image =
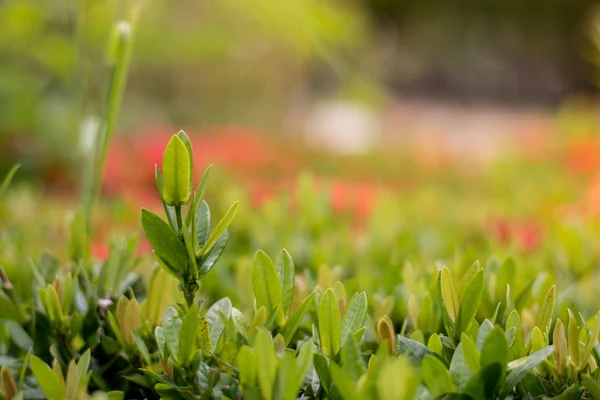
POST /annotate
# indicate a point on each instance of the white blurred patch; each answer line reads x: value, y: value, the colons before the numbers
x: 87, y: 133
x: 343, y: 127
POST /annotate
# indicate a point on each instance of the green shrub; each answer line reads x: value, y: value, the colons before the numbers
x: 88, y: 328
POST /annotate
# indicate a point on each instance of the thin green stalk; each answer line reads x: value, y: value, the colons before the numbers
x: 120, y: 56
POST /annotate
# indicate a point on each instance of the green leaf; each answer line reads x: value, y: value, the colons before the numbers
x: 305, y: 361
x: 545, y: 315
x: 268, y: 363
x: 343, y: 383
x: 8, y: 179
x: 213, y: 256
x: 286, y: 272
x: 266, y: 283
x: 495, y: 350
x: 469, y: 302
x: 51, y: 385
x: 169, y: 210
x: 8, y: 310
x: 592, y: 386
x: 187, y: 337
x: 202, y: 223
x: 294, y: 322
x: 352, y: 361
x: 330, y: 326
x: 591, y: 343
x: 188, y: 146
x: 470, y: 352
x: 460, y: 371
x: 177, y: 173
x: 191, y: 254
x: 165, y: 241
x: 247, y: 364
x: 483, y: 383
x: 220, y: 228
x: 485, y: 328
x: 114, y: 326
x: 571, y: 393
x: 198, y: 197
x: 216, y: 326
x: 517, y: 369
x: 354, y: 317
x: 416, y: 351
x: 143, y: 349
x: 172, y: 329
x: 322, y: 368
x: 435, y: 376
x: 84, y: 364
x: 168, y: 392
x: 447, y: 300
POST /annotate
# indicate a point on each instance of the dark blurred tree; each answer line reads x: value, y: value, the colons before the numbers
x: 511, y: 50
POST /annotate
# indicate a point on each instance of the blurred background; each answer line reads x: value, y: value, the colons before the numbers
x: 368, y: 93
x: 365, y: 134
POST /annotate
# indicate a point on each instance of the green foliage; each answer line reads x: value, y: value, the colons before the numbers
x: 83, y: 328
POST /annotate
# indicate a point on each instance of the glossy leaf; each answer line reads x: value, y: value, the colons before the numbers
x: 330, y: 327
x: 176, y: 172
x: 435, y: 376
x: 469, y: 302
x: 165, y: 241
x: 286, y: 272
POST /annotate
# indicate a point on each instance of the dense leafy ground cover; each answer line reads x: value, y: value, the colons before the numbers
x: 467, y: 285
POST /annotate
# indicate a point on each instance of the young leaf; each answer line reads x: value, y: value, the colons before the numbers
x: 266, y: 284
x: 560, y: 347
x: 517, y: 369
x: 169, y: 210
x: 447, y: 299
x: 213, y: 255
x: 385, y: 332
x: 322, y: 368
x: 202, y: 223
x: 469, y: 302
x: 216, y: 326
x: 592, y: 386
x: 172, y: 329
x: 352, y: 361
x: 286, y: 272
x: 460, y: 371
x: 176, y: 170
x: 495, y: 350
x: 545, y: 315
x: 354, y: 317
x: 143, y: 349
x: 8, y: 387
x: 198, y: 197
x: 191, y: 254
x: 343, y: 383
x: 53, y: 387
x: 483, y: 384
x: 220, y: 228
x: 415, y: 350
x: 293, y: 323
x: 470, y: 352
x: 573, y: 338
x: 329, y: 324
x: 247, y: 364
x: 188, y: 146
x: 268, y: 363
x: 164, y: 241
x: 188, y: 334
x: 435, y: 376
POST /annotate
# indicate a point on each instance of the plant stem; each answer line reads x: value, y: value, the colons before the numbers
x: 120, y: 59
x: 179, y: 219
